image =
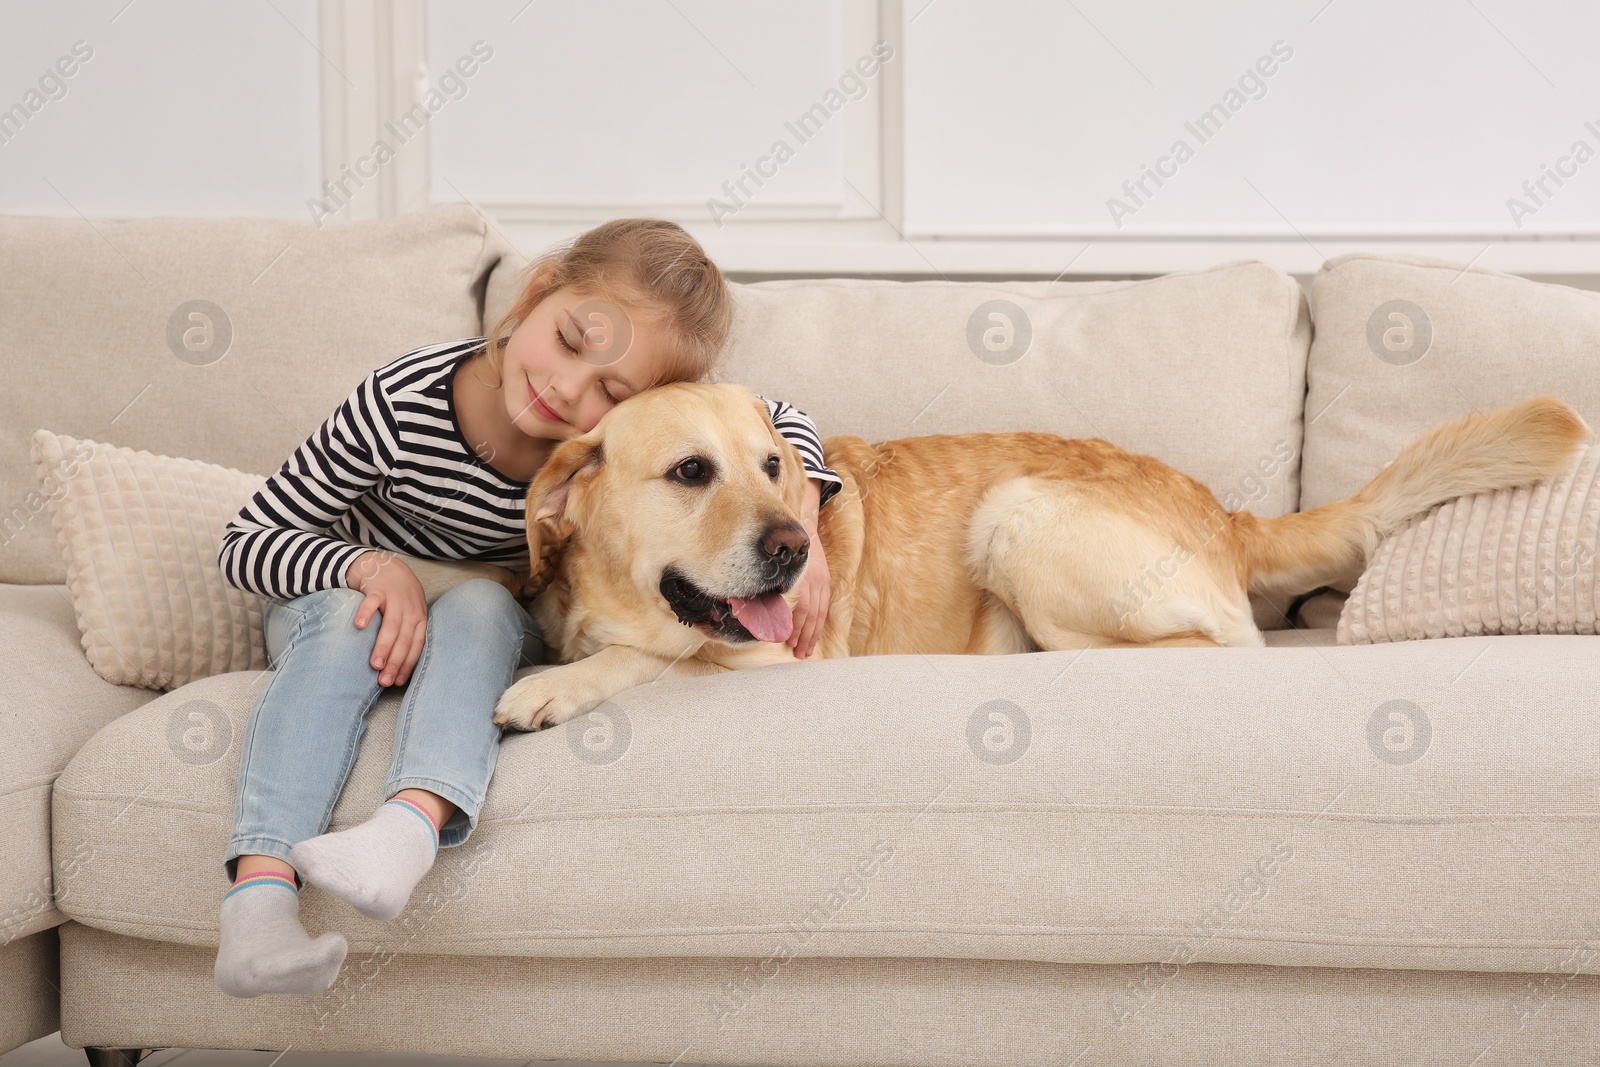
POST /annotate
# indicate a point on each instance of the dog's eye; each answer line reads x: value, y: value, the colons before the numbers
x: 692, y: 470
x: 774, y: 466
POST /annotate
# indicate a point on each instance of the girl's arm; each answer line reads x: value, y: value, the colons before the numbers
x: 798, y: 429
x: 813, y: 504
x: 277, y: 545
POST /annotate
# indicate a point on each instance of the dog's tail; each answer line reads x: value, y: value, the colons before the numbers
x: 1510, y: 447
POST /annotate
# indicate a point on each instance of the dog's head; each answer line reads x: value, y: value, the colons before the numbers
x: 686, y: 501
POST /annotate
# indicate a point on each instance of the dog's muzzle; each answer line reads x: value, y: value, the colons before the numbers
x: 760, y: 614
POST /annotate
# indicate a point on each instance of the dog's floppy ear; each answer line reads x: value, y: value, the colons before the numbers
x: 557, y: 502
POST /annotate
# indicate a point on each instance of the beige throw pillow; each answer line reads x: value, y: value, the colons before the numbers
x: 139, y: 534
x: 1516, y: 561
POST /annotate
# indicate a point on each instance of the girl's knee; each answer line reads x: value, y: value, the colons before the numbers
x: 325, y: 615
x: 335, y: 598
x: 479, y: 603
x: 336, y: 607
x: 485, y: 594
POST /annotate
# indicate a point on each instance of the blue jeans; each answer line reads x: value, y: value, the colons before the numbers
x: 305, y: 728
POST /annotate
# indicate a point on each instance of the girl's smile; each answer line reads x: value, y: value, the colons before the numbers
x: 579, y: 356
x: 569, y: 378
x: 540, y: 406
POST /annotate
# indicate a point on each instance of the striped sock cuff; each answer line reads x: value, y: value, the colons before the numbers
x: 420, y: 812
x: 263, y: 878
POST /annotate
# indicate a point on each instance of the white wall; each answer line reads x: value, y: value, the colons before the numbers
x: 948, y: 138
x: 626, y: 103
x: 171, y: 107
x: 1351, y: 119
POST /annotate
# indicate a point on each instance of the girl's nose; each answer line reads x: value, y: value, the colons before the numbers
x: 568, y: 388
x: 573, y: 383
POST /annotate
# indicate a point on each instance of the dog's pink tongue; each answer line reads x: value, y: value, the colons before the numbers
x: 767, y: 617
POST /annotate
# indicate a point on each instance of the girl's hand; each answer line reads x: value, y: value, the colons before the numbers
x: 392, y: 588
x: 811, y: 609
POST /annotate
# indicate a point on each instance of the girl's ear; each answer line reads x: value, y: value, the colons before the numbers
x: 540, y: 275
x: 557, y: 505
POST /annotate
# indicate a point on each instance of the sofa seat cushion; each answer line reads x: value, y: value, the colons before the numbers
x: 1418, y: 805
x: 51, y: 702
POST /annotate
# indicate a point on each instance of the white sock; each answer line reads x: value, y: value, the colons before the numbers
x: 375, y: 866
x: 264, y: 949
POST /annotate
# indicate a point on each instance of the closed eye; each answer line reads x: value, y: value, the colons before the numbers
x: 563, y: 339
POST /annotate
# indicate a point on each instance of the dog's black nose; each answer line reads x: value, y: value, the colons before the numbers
x: 785, y: 544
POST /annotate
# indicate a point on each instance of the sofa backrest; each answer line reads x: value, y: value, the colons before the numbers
x: 1404, y: 343
x: 223, y: 340
x: 1204, y: 370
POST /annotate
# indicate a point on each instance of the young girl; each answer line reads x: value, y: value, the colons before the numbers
x: 432, y: 456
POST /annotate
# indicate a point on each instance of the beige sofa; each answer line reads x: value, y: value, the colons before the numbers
x: 1108, y: 857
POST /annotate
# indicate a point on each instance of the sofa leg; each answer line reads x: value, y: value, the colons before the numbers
x: 115, y: 1057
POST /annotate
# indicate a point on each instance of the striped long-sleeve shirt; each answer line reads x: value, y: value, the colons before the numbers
x: 391, y: 469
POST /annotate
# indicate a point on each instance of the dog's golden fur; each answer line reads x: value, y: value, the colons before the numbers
x: 979, y: 543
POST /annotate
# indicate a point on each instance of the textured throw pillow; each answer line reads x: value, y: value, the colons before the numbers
x: 139, y: 534
x: 1516, y: 561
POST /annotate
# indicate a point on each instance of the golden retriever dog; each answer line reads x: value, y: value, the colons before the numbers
x: 667, y: 540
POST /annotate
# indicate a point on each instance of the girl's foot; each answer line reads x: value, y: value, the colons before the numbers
x: 375, y: 866
x: 264, y: 949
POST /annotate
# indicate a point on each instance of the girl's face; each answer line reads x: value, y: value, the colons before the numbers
x: 573, y: 359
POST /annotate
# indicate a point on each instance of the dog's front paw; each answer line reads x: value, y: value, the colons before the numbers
x: 544, y: 699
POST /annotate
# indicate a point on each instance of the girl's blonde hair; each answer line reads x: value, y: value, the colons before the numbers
x: 654, y: 270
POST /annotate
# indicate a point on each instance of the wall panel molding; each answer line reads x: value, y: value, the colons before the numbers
x: 374, y: 129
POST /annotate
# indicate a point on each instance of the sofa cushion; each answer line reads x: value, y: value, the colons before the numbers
x: 1404, y: 343
x: 1204, y: 369
x: 1418, y: 805
x: 140, y: 535
x: 1516, y: 561
x: 51, y: 702
x: 224, y: 340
